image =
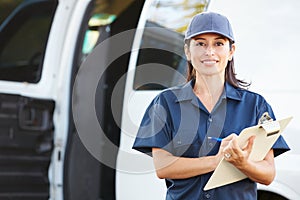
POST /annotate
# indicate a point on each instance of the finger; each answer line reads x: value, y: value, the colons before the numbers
x: 230, y: 137
x: 235, y: 146
x: 226, y: 141
x: 227, y: 156
x: 250, y: 144
x: 226, y: 149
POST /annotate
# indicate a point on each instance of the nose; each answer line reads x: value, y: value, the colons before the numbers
x: 210, y: 51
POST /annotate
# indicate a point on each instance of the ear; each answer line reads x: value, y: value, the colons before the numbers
x: 187, y: 52
x: 231, y: 52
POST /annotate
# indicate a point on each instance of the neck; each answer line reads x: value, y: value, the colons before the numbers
x: 213, y: 85
x: 209, y: 90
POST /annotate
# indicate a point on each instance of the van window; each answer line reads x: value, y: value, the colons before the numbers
x: 163, y: 47
x: 24, y: 32
x: 103, y: 16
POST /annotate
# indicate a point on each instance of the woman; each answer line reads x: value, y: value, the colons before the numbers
x: 178, y: 124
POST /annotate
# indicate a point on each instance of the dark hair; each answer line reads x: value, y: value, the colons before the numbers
x: 230, y: 75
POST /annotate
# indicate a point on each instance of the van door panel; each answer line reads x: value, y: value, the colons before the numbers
x: 26, y: 142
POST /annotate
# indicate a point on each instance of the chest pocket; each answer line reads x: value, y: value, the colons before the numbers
x: 186, y: 143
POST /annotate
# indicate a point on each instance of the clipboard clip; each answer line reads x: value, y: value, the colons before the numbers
x: 268, y: 124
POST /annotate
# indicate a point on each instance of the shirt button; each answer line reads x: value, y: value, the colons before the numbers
x: 179, y: 142
x: 210, y: 144
x: 207, y: 196
x: 210, y: 119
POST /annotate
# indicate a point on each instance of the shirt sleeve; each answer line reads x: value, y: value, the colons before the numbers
x: 154, y: 131
x: 280, y: 145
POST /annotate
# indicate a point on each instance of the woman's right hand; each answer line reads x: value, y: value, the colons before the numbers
x: 224, y: 143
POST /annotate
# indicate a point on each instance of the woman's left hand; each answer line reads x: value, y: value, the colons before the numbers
x: 259, y: 171
x: 236, y: 155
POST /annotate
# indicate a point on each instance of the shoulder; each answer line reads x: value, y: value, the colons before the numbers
x: 245, y: 97
x: 250, y: 94
x: 243, y: 94
x: 257, y: 101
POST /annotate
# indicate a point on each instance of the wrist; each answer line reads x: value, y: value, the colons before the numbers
x: 245, y: 164
x: 216, y: 160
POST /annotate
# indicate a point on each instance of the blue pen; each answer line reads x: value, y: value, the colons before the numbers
x: 215, y: 138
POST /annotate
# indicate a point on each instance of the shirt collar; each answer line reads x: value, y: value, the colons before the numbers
x: 232, y: 92
x: 186, y: 92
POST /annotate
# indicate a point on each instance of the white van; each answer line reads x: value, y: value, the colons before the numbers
x: 77, y: 76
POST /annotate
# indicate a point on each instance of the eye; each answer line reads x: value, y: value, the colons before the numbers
x: 219, y: 43
x: 200, y: 44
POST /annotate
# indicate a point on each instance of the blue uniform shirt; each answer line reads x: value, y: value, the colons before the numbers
x: 178, y: 122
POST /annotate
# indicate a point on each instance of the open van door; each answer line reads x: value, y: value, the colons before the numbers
x: 26, y: 111
x: 42, y: 46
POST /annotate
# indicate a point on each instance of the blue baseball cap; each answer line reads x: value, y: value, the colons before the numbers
x: 209, y: 22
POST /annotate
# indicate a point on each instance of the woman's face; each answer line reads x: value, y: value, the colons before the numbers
x: 209, y: 54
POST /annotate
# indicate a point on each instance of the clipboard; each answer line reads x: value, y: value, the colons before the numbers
x: 267, y: 132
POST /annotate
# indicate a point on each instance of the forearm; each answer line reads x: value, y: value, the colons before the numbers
x: 172, y: 167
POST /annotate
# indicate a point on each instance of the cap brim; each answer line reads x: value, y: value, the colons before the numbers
x: 209, y: 31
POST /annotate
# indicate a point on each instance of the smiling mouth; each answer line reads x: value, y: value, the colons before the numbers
x: 209, y: 62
